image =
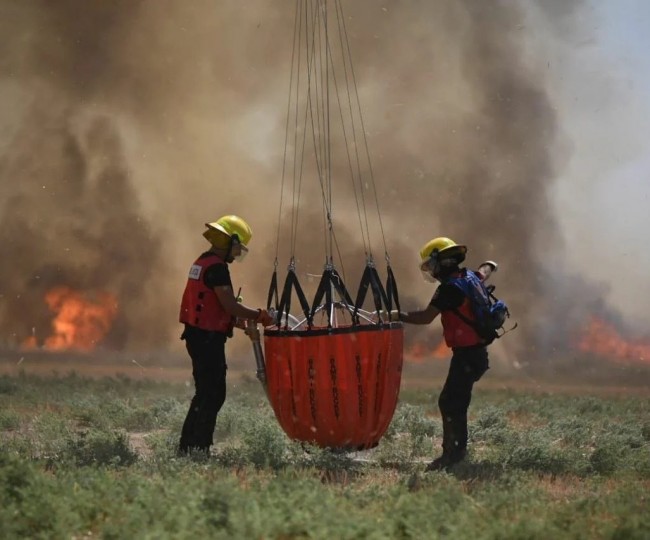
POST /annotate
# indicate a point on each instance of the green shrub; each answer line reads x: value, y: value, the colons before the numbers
x: 491, y: 417
x: 580, y: 472
x: 573, y: 430
x: 412, y: 420
x: 398, y: 452
x: 163, y: 444
x: 264, y: 444
x: 539, y: 457
x: 8, y: 386
x: 491, y: 427
x: 95, y: 447
x: 15, y: 475
x: 9, y: 419
x: 645, y: 431
x: 640, y: 462
x: 408, y: 436
x: 604, y: 459
x: 48, y: 433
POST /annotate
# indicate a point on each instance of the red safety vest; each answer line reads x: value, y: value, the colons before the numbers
x: 200, y: 306
x: 457, y: 332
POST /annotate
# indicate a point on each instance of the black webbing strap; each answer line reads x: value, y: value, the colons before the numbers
x: 332, y: 281
x: 468, y: 322
x: 391, y: 290
x: 273, y: 292
x: 324, y: 289
x: 487, y: 338
x: 370, y: 278
x: 329, y: 279
x: 285, y: 300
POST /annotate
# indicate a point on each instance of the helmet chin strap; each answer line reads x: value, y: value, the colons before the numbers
x: 228, y: 251
x: 234, y: 238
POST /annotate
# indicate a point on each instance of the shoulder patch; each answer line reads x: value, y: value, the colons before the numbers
x: 195, y: 272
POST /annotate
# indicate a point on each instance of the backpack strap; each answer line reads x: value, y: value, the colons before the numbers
x: 479, y: 332
x: 464, y: 284
x: 462, y: 317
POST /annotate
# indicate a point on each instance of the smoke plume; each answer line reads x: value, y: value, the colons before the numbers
x: 132, y: 123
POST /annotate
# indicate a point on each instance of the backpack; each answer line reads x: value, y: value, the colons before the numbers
x: 490, y: 313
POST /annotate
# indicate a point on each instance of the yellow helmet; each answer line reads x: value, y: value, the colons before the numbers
x: 222, y: 232
x: 442, y: 248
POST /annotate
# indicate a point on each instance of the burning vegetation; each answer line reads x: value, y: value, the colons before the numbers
x: 81, y: 321
x: 600, y: 338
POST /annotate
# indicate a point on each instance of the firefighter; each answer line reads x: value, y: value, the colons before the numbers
x: 440, y: 260
x: 209, y: 311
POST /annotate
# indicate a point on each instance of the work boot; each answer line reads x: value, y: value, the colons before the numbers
x: 197, y: 453
x: 453, y: 444
x: 439, y: 464
x: 445, y: 461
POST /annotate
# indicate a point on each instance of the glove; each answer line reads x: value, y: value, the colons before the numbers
x: 486, y: 269
x: 264, y: 318
x: 394, y: 315
x: 494, y: 265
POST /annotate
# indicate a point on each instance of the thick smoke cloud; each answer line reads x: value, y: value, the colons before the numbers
x: 70, y: 214
x: 72, y: 219
x: 466, y: 142
x: 97, y: 95
x: 130, y: 124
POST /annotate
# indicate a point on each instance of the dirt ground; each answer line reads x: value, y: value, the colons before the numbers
x: 575, y: 377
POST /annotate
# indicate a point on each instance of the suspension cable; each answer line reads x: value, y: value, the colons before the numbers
x: 286, y: 134
x: 364, y: 233
x: 363, y: 130
x: 322, y: 86
x: 362, y: 210
x: 294, y: 209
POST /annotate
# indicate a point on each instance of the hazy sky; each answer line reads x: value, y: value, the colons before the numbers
x: 604, y: 193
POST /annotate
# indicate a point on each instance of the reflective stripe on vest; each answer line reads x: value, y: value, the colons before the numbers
x: 200, y: 306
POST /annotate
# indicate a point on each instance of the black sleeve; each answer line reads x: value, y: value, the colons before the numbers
x: 217, y: 275
x: 447, y: 297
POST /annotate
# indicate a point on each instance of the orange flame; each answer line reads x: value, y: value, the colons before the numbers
x: 30, y: 343
x: 420, y: 352
x: 601, y: 338
x: 80, y: 323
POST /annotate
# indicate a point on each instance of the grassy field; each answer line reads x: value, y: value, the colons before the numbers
x: 94, y: 456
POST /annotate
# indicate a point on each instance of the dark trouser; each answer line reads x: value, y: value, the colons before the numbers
x: 207, y: 350
x: 467, y: 366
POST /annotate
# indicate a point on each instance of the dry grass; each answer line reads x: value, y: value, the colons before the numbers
x: 166, y: 367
